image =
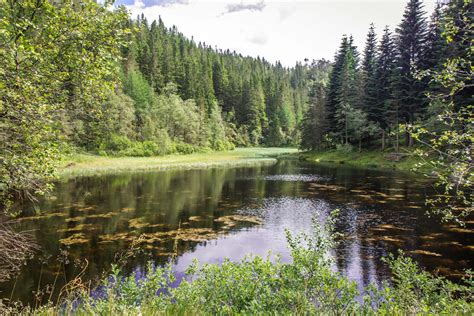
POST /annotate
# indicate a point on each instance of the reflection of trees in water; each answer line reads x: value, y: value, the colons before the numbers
x: 169, y: 197
x: 368, y: 199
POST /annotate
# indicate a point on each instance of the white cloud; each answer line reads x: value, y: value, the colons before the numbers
x: 288, y: 31
x: 241, y: 6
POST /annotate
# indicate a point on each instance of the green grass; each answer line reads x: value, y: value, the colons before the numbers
x: 375, y: 159
x: 86, y: 164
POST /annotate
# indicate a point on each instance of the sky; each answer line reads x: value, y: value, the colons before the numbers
x: 288, y: 31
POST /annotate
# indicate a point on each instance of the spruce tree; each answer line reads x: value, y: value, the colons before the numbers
x: 315, y: 125
x: 335, y: 83
x: 347, y: 95
x: 385, y: 109
x: 411, y: 46
x: 435, y: 48
x: 369, y: 97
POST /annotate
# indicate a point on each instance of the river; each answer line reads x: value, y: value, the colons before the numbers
x: 212, y: 214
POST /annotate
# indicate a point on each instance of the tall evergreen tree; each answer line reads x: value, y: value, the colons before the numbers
x: 385, y: 110
x: 347, y: 96
x: 254, y: 109
x: 315, y: 124
x: 411, y: 46
x: 435, y: 43
x: 369, y: 63
x: 335, y: 83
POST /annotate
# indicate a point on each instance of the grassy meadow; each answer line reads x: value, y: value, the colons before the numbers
x: 406, y: 162
x: 86, y: 164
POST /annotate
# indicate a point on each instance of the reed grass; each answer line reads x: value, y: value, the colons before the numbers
x: 374, y: 159
x: 87, y: 164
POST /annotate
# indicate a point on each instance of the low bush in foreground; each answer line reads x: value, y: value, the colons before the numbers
x: 259, y: 285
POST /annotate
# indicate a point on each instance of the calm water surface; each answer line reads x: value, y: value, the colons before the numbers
x: 102, y: 217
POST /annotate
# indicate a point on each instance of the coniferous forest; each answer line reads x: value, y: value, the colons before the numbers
x: 371, y: 91
x: 133, y: 87
x: 84, y: 78
x: 175, y: 95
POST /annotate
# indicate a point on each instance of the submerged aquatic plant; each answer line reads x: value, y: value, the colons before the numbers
x: 256, y: 285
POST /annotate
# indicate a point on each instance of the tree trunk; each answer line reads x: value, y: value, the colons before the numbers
x: 397, y: 141
x: 346, y: 131
x: 409, y: 138
x: 360, y: 144
x: 383, y: 139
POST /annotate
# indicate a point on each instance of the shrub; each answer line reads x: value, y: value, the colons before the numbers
x: 259, y: 285
x: 184, y: 148
x: 102, y: 153
x: 346, y: 148
x: 117, y: 143
x: 164, y: 143
x: 141, y: 149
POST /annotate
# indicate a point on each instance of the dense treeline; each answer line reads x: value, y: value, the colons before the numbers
x: 181, y: 96
x: 368, y: 96
x: 416, y: 83
x: 78, y: 76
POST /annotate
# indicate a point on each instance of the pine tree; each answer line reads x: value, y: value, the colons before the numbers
x: 334, y: 83
x: 385, y: 110
x: 369, y: 64
x: 435, y: 48
x: 315, y: 125
x: 220, y: 80
x: 411, y: 46
x: 254, y: 110
x: 347, y: 96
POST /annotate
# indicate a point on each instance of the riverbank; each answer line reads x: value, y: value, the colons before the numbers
x: 86, y: 164
x: 405, y: 160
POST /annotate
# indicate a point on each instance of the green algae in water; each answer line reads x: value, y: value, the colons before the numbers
x: 138, y: 223
x: 78, y: 238
x: 79, y: 227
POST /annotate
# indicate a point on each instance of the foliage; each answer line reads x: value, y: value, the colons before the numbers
x: 450, y: 136
x: 57, y: 60
x: 264, y: 100
x: 389, y: 95
x: 315, y: 125
x: 385, y: 90
x: 255, y: 285
x: 86, y: 164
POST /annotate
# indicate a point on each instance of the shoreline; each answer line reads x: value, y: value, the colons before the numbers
x: 88, y: 164
x: 404, y: 161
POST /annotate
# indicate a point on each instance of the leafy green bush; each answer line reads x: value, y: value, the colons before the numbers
x: 102, y: 153
x: 259, y: 285
x: 116, y: 143
x: 347, y: 148
x: 164, y: 143
x: 141, y: 149
x: 220, y: 145
x: 185, y: 149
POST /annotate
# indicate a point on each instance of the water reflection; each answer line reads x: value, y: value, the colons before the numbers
x: 210, y: 215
